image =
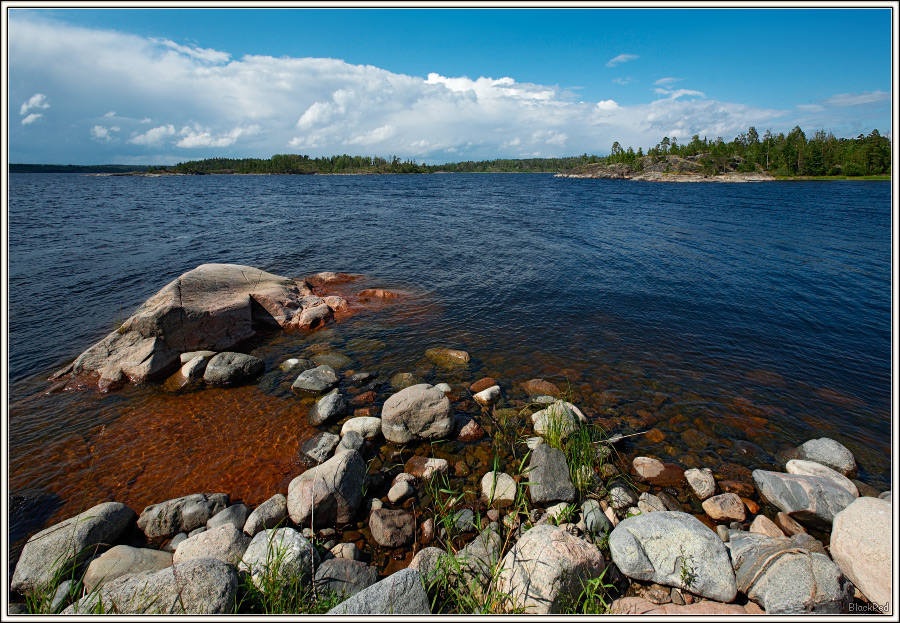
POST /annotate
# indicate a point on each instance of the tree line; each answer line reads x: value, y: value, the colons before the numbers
x: 783, y: 155
x: 292, y: 164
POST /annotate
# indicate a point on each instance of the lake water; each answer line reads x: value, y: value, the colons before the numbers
x: 755, y: 314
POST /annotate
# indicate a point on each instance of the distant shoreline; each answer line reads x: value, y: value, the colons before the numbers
x: 92, y: 171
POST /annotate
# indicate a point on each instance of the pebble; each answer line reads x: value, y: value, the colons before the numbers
x: 400, y: 492
x: 788, y: 525
x: 722, y: 531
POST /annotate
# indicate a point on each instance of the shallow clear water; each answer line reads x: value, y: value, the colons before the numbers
x: 748, y: 312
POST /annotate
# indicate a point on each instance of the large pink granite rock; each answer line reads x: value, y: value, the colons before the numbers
x: 212, y: 307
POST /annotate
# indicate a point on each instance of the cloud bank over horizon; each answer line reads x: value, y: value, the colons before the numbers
x: 118, y: 97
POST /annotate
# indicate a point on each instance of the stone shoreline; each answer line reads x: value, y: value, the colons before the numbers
x: 806, y: 539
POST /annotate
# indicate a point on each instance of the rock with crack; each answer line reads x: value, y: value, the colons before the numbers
x: 785, y: 578
x: 212, y: 307
x: 328, y: 494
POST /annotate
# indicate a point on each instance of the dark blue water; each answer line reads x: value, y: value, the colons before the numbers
x: 776, y: 294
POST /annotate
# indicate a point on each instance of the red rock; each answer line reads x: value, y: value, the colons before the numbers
x: 764, y: 525
x: 647, y: 418
x: 378, y: 293
x: 733, y: 471
x: 638, y: 605
x: 540, y: 387
x: 471, y: 431
x: 460, y: 469
x: 329, y: 278
x: 655, y: 436
x: 656, y: 472
x: 336, y: 303
x: 362, y: 399
x: 788, y: 524
x: 425, y: 467
x: 482, y: 384
x: 725, y: 507
x: 734, y: 486
x: 752, y: 506
x: 366, y: 412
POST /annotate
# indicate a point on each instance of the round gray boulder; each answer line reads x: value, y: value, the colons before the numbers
x: 418, y: 412
x: 675, y: 549
x: 229, y: 368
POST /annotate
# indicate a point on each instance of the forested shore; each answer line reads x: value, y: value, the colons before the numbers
x: 781, y: 155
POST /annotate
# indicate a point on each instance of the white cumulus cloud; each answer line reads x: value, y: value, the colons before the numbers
x: 171, y: 97
x: 31, y: 118
x: 154, y: 136
x: 372, y: 137
x: 664, y: 81
x: 202, y: 137
x: 102, y: 133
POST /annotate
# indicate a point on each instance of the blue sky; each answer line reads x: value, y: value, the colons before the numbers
x: 437, y: 85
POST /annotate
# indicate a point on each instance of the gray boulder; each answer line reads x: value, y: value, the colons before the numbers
x: 281, y: 556
x: 344, y: 576
x: 163, y: 520
x: 236, y: 515
x: 123, y: 560
x: 328, y: 494
x: 478, y: 561
x: 498, y: 489
x: 418, y: 412
x: 785, y: 578
x: 675, y: 549
x: 201, y: 586
x: 331, y: 406
x: 225, y: 543
x: 400, y: 593
x: 595, y: 520
x: 206, y: 355
x: 811, y: 500
x: 800, y: 467
x: 316, y: 381
x: 267, y: 515
x: 392, y: 528
x: 229, y: 368
x: 549, y: 476
x: 320, y: 447
x: 621, y: 497
x: 352, y: 440
x: 559, y: 419
x: 701, y: 481
x: 826, y: 451
x: 431, y: 563
x: 364, y: 426
x: 192, y: 371
x: 61, y: 598
x: 172, y: 544
x: 862, y: 545
x: 547, y: 569
x: 59, y: 547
